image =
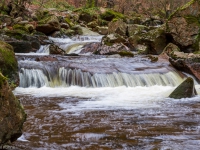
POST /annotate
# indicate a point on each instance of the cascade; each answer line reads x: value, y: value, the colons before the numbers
x: 67, y: 77
x: 70, y: 45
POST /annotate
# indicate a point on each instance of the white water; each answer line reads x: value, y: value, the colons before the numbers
x: 106, y: 98
x: 72, y: 45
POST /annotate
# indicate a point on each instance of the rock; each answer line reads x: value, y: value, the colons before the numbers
x: 92, y: 24
x: 183, y: 34
x: 90, y: 48
x: 184, y: 90
x: 54, y: 49
x: 12, y: 115
x: 183, y: 25
x: 8, y: 63
x: 189, y: 63
x: 71, y: 54
x: 155, y: 40
x: 118, y: 27
x: 21, y: 46
x: 136, y: 29
x: 111, y: 39
x: 117, y: 48
x: 110, y: 15
x: 64, y: 25
x: 102, y: 30
x: 34, y: 40
x: 142, y: 49
x: 152, y: 22
x: 86, y: 17
x: 170, y: 49
x: 48, y: 25
x: 46, y: 58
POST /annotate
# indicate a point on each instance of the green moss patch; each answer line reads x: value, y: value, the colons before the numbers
x: 2, y: 79
x: 109, y: 15
x: 8, y: 63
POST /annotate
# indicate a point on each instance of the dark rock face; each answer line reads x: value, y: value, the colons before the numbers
x: 12, y: 115
x: 21, y: 46
x: 184, y: 90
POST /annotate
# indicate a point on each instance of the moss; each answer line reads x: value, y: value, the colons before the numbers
x: 18, y: 34
x: 20, y: 28
x: 8, y: 63
x: 2, y: 79
x: 69, y: 22
x: 181, y: 8
x: 44, y: 20
x: 126, y: 53
x: 109, y: 15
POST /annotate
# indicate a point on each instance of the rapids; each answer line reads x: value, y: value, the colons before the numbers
x: 100, y: 102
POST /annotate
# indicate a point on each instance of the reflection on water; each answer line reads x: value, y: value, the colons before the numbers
x: 108, y: 118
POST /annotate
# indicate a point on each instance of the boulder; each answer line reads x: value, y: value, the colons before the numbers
x: 8, y: 63
x: 170, y: 49
x: 21, y: 46
x: 102, y: 30
x: 12, y: 115
x: 110, y: 15
x: 154, y: 39
x: 185, y: 90
x: 86, y: 17
x: 184, y: 33
x: 187, y: 62
x: 118, y: 27
x: 48, y: 25
x: 183, y: 25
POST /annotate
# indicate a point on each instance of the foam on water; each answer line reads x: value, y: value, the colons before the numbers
x: 104, y: 98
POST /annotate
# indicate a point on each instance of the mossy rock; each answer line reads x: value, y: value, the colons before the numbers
x: 87, y: 17
x: 17, y: 33
x: 69, y: 22
x: 12, y: 114
x: 20, y: 28
x: 8, y: 62
x: 2, y: 80
x: 109, y: 15
x: 185, y: 90
x: 126, y: 54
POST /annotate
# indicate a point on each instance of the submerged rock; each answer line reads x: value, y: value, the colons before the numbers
x: 184, y: 90
x: 12, y: 115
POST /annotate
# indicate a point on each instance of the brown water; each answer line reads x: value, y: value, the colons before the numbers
x: 173, y: 125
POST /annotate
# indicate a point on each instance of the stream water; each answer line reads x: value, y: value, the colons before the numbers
x: 100, y: 102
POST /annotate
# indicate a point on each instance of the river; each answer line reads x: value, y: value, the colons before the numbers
x: 101, y: 102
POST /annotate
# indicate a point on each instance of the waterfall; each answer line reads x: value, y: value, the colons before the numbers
x: 67, y: 77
